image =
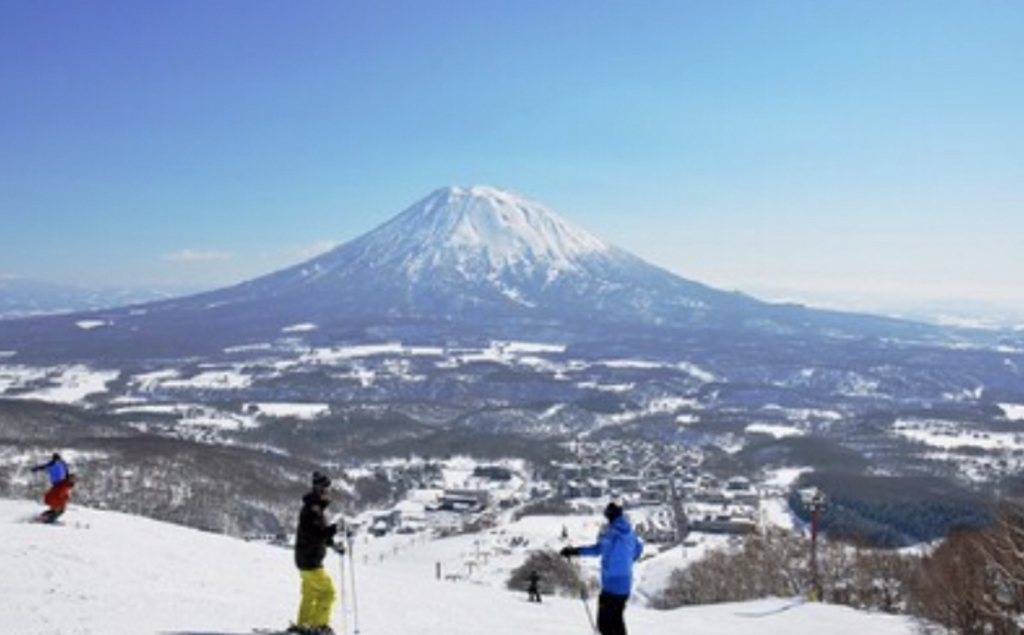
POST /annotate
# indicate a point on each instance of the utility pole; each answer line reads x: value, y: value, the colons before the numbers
x: 816, y: 503
x: 682, y: 523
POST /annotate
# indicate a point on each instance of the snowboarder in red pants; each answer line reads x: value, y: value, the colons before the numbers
x: 56, y: 499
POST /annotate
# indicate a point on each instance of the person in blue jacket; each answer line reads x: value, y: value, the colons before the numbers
x: 61, y: 482
x: 619, y: 548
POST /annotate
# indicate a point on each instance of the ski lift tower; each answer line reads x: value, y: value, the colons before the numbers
x: 682, y: 523
x: 814, y: 500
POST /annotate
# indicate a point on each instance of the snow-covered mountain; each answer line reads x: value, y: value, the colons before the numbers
x: 462, y: 264
x: 106, y: 573
x: 479, y: 231
x: 461, y: 254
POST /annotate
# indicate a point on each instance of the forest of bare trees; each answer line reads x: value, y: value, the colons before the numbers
x: 970, y: 583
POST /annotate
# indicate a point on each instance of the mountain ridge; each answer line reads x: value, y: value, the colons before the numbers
x: 479, y: 251
x: 463, y: 262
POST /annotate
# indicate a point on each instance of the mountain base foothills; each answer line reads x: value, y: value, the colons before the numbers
x: 720, y: 527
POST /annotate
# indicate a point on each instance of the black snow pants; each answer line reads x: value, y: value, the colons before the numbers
x: 610, y: 608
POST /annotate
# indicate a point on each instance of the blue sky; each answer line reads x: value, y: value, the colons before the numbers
x: 852, y: 150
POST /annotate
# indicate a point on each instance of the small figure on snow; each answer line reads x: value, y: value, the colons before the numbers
x: 534, y: 589
x: 56, y: 497
x: 313, y: 537
x: 619, y: 548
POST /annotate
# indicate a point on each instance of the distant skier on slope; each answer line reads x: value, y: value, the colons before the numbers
x: 313, y: 537
x: 619, y: 548
x: 56, y: 497
x: 533, y: 591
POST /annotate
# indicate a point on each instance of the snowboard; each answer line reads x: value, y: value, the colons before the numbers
x: 45, y: 519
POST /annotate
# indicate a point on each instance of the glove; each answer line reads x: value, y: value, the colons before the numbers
x: 339, y: 548
x: 568, y: 552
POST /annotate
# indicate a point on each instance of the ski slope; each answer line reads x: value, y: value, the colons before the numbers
x: 106, y: 573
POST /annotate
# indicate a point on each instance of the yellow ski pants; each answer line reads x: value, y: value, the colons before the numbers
x: 317, y: 598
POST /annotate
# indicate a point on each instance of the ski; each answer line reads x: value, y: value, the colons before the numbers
x: 278, y: 631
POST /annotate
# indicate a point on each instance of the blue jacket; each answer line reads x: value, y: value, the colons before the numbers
x: 619, y: 548
x: 56, y: 468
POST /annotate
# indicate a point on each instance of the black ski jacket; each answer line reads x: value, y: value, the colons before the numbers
x: 313, y: 535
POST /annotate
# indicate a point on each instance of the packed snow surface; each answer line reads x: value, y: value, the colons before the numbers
x: 105, y: 573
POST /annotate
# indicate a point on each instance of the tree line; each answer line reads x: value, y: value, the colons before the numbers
x: 969, y: 583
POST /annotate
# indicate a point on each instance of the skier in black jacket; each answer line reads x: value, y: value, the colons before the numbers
x: 313, y: 537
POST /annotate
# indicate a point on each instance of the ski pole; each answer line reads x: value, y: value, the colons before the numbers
x: 352, y: 573
x: 342, y: 594
x: 586, y: 607
x: 583, y: 594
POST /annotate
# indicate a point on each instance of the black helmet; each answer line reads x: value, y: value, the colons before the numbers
x: 612, y: 511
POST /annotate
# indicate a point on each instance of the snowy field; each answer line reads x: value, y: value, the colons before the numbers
x: 105, y: 573
x: 951, y: 435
